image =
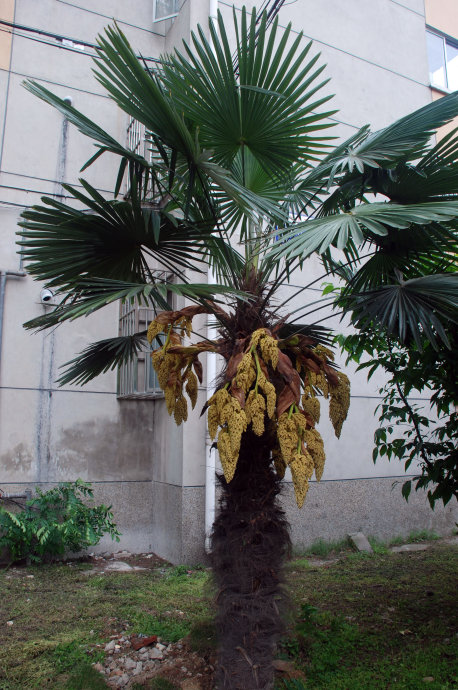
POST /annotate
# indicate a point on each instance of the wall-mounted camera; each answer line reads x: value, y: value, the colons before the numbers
x: 47, y: 296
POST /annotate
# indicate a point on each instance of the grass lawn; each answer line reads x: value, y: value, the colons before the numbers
x: 364, y: 622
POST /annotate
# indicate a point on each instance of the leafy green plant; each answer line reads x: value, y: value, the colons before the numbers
x: 407, y: 431
x: 55, y: 522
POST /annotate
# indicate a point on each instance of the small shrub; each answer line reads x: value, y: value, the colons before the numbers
x: 55, y: 522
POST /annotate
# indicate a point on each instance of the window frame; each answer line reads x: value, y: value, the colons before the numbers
x: 157, y: 19
x: 446, y: 40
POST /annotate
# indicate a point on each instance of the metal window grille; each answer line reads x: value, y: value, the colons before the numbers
x: 137, y: 378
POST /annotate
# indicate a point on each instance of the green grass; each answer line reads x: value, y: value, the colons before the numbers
x: 414, y: 537
x: 384, y: 621
x: 60, y: 615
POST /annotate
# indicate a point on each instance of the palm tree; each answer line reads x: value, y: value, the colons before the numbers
x: 242, y: 178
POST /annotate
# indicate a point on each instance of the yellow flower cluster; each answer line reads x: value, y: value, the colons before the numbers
x: 185, y: 324
x: 255, y: 409
x: 340, y: 402
x: 269, y: 349
x: 171, y: 379
x: 225, y: 411
x: 246, y: 372
x: 315, y: 448
x: 301, y: 467
x: 287, y: 437
x: 192, y: 387
x: 319, y: 382
x: 324, y: 352
x: 154, y: 329
x: 311, y: 405
x: 269, y: 391
x: 301, y: 449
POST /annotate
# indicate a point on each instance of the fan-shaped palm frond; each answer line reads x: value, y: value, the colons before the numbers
x: 102, y: 356
x: 410, y: 309
x: 106, y: 239
x: 356, y: 225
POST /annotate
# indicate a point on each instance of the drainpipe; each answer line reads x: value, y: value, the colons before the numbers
x: 210, y: 457
x: 3, y: 276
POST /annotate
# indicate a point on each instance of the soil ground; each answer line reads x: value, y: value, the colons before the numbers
x: 357, y: 621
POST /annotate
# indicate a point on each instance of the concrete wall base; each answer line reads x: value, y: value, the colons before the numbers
x: 169, y: 520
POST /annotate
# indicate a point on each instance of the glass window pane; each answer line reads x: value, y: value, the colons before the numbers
x: 436, y: 60
x: 452, y: 67
x: 164, y: 8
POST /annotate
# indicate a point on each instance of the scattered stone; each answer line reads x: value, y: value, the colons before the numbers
x: 110, y: 646
x: 155, y: 654
x: 161, y: 647
x: 360, y: 542
x: 428, y: 679
x: 409, y: 547
x: 130, y: 664
x: 98, y: 667
x: 138, y: 668
x: 10, y: 623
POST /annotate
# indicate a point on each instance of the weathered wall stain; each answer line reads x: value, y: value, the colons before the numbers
x: 16, y: 464
x: 102, y: 449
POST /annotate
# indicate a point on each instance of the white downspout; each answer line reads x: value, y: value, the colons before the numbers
x: 210, y: 457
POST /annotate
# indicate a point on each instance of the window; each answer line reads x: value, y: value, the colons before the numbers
x: 165, y: 9
x: 443, y: 61
x: 137, y: 377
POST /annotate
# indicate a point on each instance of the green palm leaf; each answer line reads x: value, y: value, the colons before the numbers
x: 107, y: 239
x: 91, y: 294
x: 409, y: 309
x: 363, y: 221
x: 102, y: 356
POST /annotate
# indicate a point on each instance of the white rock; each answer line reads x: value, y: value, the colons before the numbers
x: 110, y: 646
x: 129, y: 664
x: 122, y: 680
x: 160, y: 646
x: 409, y: 547
x: 155, y: 654
x: 118, y: 566
x: 360, y: 542
x: 138, y: 669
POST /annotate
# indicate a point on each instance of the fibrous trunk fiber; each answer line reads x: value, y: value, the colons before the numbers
x: 249, y: 543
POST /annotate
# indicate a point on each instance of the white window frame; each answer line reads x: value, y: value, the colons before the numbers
x: 157, y: 19
x: 446, y: 40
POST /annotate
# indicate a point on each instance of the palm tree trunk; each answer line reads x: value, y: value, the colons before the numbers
x: 249, y: 543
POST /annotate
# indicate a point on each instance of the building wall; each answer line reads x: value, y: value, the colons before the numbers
x: 152, y: 472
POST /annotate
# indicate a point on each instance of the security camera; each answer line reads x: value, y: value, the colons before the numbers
x: 68, y: 100
x: 46, y: 295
